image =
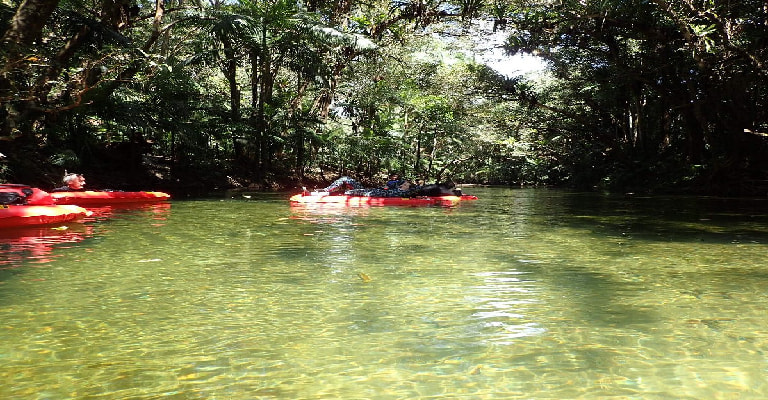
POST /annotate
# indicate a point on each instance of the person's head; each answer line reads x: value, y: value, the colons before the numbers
x: 394, y: 177
x: 74, y: 181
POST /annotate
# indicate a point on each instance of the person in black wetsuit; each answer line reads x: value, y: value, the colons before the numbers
x: 72, y: 183
x: 343, y: 184
x: 351, y: 187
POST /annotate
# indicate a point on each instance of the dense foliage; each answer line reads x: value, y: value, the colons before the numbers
x: 656, y: 93
x: 640, y: 95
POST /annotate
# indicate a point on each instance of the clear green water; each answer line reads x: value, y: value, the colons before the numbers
x: 523, y: 294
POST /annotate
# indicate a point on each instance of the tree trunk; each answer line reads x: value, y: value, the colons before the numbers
x: 267, y: 88
x: 298, y: 124
x: 26, y: 27
x: 230, y: 72
x: 28, y: 22
x: 255, y: 116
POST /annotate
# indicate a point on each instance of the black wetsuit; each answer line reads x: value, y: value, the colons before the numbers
x: 351, y: 187
x: 67, y: 189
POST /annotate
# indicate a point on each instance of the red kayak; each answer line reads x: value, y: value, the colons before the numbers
x: 357, y: 201
x: 92, y: 198
x: 19, y: 216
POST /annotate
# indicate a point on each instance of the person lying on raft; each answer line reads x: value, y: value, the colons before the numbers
x: 351, y: 187
x: 405, y: 189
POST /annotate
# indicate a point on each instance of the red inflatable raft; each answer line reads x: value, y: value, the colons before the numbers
x: 12, y: 193
x: 357, y: 201
x: 19, y: 216
x: 92, y: 198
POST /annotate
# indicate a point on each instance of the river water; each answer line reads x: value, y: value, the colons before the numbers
x: 522, y: 294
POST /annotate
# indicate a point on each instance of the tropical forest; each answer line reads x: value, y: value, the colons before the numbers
x: 647, y: 96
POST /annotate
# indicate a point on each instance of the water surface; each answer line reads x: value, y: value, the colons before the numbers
x: 529, y: 294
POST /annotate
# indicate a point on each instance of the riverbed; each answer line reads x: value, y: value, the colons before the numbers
x: 522, y: 294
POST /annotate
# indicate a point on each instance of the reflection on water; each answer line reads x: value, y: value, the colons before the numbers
x: 155, y: 211
x: 34, y: 245
x: 522, y: 294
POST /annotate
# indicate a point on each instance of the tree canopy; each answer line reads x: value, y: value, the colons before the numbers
x: 638, y: 95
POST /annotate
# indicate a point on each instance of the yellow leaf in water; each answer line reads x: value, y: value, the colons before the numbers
x: 364, y: 277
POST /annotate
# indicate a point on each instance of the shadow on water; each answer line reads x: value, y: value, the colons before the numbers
x: 659, y: 218
x: 702, y: 219
x: 599, y: 249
